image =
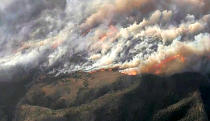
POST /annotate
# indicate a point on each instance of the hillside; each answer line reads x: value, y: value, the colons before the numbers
x: 112, y: 96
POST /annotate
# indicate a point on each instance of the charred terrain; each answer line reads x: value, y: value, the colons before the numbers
x: 108, y: 96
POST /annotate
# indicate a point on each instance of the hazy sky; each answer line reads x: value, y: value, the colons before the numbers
x: 4, y: 3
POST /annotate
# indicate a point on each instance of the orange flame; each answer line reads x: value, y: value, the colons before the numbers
x: 110, y: 33
x: 130, y: 73
x: 110, y: 69
x: 102, y: 37
x: 57, y: 43
x: 157, y: 68
x: 101, y: 70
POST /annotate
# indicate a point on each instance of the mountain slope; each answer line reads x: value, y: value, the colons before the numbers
x: 112, y: 96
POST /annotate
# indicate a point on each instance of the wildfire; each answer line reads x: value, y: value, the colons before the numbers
x: 110, y: 33
x: 158, y: 68
x: 103, y: 37
x: 23, y: 47
x: 57, y: 43
x: 85, y: 32
x: 155, y: 68
x: 28, y: 45
x: 131, y: 73
x: 101, y: 70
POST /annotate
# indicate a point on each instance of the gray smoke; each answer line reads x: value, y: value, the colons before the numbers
x: 136, y: 36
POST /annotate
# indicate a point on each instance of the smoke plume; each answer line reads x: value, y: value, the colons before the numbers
x: 136, y: 36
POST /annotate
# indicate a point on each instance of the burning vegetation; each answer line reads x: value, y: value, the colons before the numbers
x: 135, y: 36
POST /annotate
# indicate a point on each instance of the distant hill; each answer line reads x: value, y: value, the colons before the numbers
x: 112, y: 96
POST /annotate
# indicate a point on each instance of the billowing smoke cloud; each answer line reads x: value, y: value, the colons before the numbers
x: 111, y: 12
x: 108, y: 12
x: 159, y: 48
x: 136, y: 36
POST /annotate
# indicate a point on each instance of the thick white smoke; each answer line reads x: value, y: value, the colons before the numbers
x: 135, y: 36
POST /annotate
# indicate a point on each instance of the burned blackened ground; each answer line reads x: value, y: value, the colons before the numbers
x: 112, y: 96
